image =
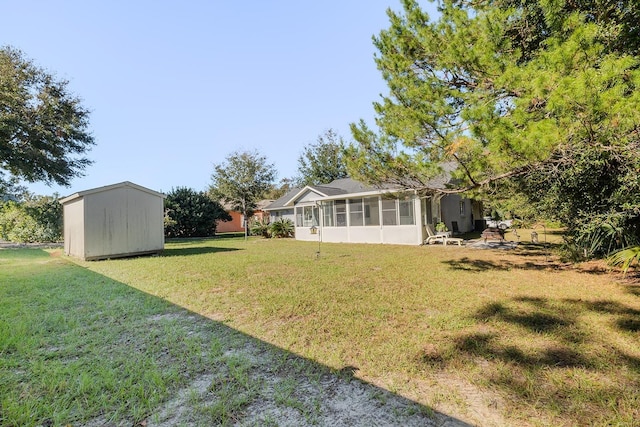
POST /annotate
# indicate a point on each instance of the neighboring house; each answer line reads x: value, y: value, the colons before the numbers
x: 237, y: 219
x: 117, y: 220
x: 346, y: 210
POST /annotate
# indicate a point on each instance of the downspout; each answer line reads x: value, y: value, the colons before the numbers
x: 320, y: 225
x: 418, y: 221
x: 439, y: 197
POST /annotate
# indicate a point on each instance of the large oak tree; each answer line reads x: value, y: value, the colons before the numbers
x: 43, y: 126
x: 242, y: 180
x: 322, y: 161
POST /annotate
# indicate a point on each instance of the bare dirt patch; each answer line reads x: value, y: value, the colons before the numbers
x: 273, y: 387
x: 483, y: 407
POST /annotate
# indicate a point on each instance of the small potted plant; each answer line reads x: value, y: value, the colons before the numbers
x: 441, y: 227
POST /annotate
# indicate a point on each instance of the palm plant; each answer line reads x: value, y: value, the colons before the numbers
x: 283, y: 227
x: 260, y: 227
x: 625, y: 258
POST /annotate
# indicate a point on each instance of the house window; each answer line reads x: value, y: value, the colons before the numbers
x: 310, y: 216
x: 341, y: 213
x: 355, y: 212
x: 463, y: 208
x: 428, y: 212
x: 298, y: 217
x: 363, y: 212
x: 406, y: 211
x: 335, y: 213
x: 371, y: 211
x: 389, y: 212
x: 327, y: 214
x: 306, y: 216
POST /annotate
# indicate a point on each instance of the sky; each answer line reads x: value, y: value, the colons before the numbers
x: 176, y: 87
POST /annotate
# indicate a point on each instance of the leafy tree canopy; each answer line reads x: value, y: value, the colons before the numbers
x: 43, y: 127
x: 540, y: 93
x: 322, y: 162
x: 242, y: 180
x: 191, y: 213
x: 283, y: 187
x: 31, y: 219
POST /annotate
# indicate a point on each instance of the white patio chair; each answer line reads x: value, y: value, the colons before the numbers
x: 433, y: 237
x: 457, y: 240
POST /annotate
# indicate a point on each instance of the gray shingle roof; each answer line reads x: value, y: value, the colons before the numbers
x: 280, y: 203
x: 345, y: 186
x: 327, y: 190
x: 351, y: 186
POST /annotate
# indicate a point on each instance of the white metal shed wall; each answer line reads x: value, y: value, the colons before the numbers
x: 73, y: 214
x: 146, y: 216
x: 122, y: 221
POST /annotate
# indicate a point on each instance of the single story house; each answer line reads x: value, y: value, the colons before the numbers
x: 237, y: 219
x: 117, y: 220
x: 349, y: 211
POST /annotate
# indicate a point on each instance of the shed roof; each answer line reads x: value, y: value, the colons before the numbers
x: 81, y: 194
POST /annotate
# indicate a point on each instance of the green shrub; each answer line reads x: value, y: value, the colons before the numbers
x: 38, y: 219
x: 625, y: 258
x: 602, y: 235
x: 260, y: 227
x: 190, y: 213
x: 282, y: 227
x: 441, y: 227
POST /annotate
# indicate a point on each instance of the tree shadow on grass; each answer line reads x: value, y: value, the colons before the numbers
x: 487, y: 345
x: 626, y: 318
x: 527, y: 249
x: 172, y: 366
x: 560, y: 318
x: 542, y: 319
x: 477, y: 265
x: 532, y: 258
x: 633, y: 290
x: 480, y: 265
x: 198, y: 250
x: 540, y: 350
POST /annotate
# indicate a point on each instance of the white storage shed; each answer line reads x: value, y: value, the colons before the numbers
x: 114, y: 221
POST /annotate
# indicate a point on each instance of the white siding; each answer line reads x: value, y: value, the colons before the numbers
x: 396, y: 231
x: 402, y: 235
x: 450, y: 206
x: 309, y: 196
x: 284, y: 214
x: 304, y: 233
x: 389, y: 234
x: 335, y: 234
x: 365, y: 234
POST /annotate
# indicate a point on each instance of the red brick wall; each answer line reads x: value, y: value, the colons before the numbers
x: 234, y: 225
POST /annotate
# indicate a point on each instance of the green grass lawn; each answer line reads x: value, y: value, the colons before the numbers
x: 492, y: 337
